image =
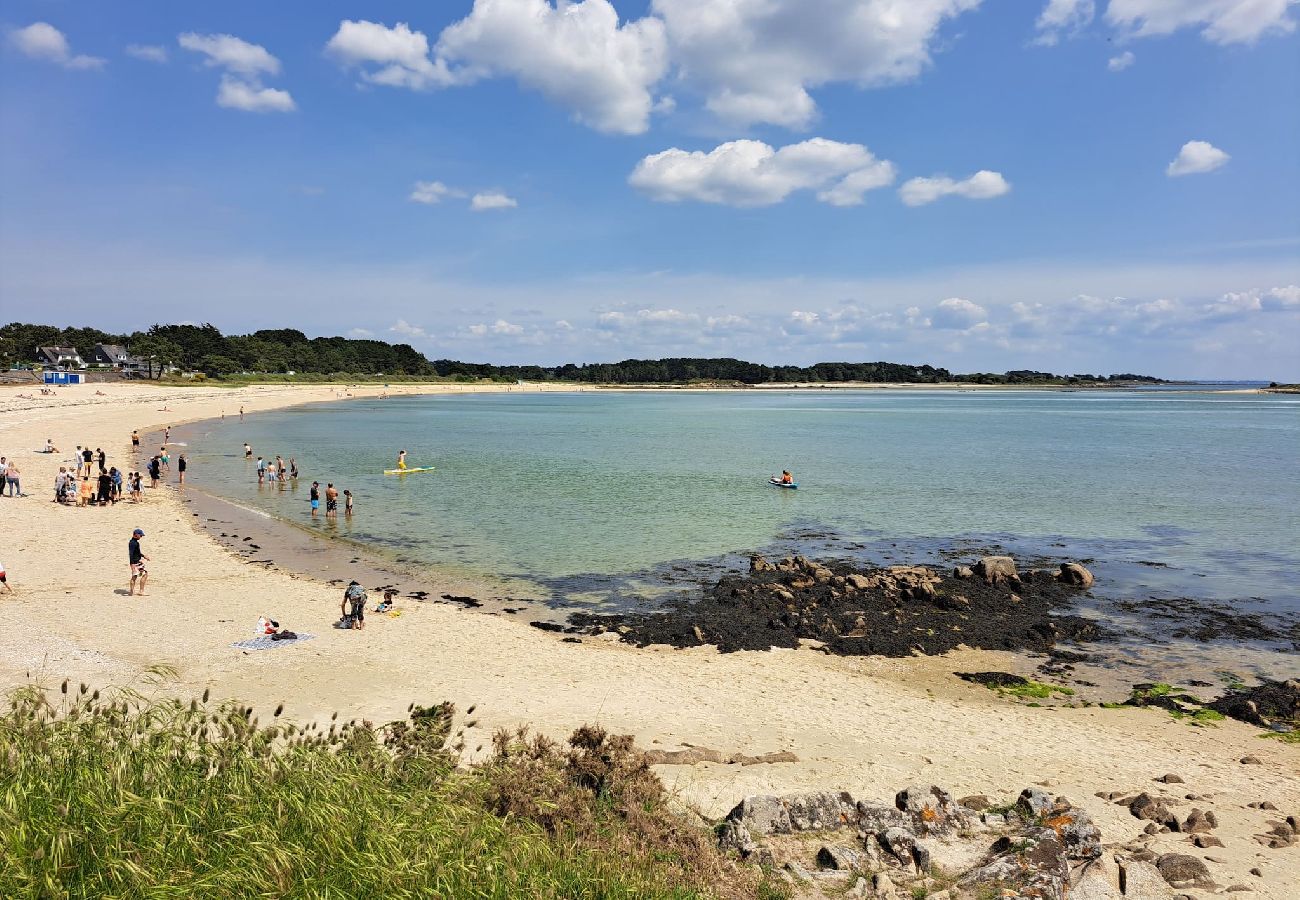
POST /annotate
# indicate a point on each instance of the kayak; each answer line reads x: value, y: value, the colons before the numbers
x: 409, y: 471
x: 775, y: 483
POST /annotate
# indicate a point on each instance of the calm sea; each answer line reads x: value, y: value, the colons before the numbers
x: 617, y: 497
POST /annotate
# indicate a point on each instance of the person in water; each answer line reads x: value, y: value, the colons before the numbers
x: 401, y: 459
x: 786, y: 477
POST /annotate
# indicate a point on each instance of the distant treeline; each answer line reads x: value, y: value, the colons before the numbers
x: 202, y: 348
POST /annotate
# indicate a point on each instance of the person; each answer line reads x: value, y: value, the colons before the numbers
x: 331, y: 500
x: 137, y: 560
x: 165, y: 457
x: 4, y: 580
x: 786, y: 477
x: 137, y: 487
x: 155, y: 472
x: 241, y: 413
x: 87, y: 458
x: 248, y: 449
x: 261, y: 470
x: 103, y: 459
x: 12, y: 478
x: 347, y: 503
x: 293, y: 468
x: 180, y: 468
x: 167, y: 435
x: 315, y: 498
x: 49, y: 446
x: 117, y: 483
x: 4, y: 467
x: 401, y: 459
x: 61, y: 484
x: 135, y: 440
x: 279, y: 465
x: 353, y: 607
x: 86, y: 493
x: 105, y: 482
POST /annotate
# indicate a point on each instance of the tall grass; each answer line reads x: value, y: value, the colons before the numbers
x: 116, y: 795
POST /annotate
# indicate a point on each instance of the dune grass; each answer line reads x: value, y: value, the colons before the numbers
x: 117, y: 795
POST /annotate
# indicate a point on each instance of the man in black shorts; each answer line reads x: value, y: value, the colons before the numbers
x: 137, y: 560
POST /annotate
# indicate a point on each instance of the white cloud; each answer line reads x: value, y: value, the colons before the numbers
x: 398, y: 56
x: 147, y: 52
x: 429, y: 192
x: 243, y: 64
x: 406, y: 329
x: 499, y: 327
x: 752, y: 173
x: 492, y: 200
x: 1196, y: 157
x: 755, y: 60
x: 1220, y: 21
x: 228, y: 52
x: 958, y: 314
x: 43, y: 41
x: 236, y: 93
x: 1063, y: 17
x: 983, y: 185
x: 360, y: 333
x: 1121, y: 62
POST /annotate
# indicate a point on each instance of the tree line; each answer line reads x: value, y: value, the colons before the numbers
x: 203, y: 348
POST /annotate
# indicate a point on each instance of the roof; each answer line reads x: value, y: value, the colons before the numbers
x: 116, y: 351
x: 59, y: 351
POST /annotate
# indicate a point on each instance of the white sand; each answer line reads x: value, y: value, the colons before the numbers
x: 868, y: 726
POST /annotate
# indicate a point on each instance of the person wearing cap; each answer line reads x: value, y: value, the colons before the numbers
x: 137, y: 558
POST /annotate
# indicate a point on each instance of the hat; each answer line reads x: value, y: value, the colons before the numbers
x: 138, y: 532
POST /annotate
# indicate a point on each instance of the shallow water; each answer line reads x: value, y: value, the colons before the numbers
x: 601, y: 497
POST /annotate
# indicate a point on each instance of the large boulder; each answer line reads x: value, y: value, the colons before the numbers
x: 1184, y: 871
x: 906, y: 848
x: 931, y: 809
x: 1144, y: 806
x: 997, y: 570
x: 1034, y: 866
x: 1141, y: 880
x: 1075, y: 574
x: 1097, y: 880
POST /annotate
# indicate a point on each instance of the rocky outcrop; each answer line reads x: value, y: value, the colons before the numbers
x: 997, y: 570
x: 1075, y: 574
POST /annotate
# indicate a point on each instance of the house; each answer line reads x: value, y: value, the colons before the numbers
x: 116, y: 355
x: 60, y: 358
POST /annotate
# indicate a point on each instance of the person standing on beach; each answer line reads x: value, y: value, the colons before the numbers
x: 103, y: 459
x: 4, y: 581
x: 315, y: 498
x: 155, y: 471
x: 331, y: 500
x: 137, y: 560
x: 87, y: 457
x: 241, y: 413
x: 135, y: 440
x: 180, y: 469
x: 12, y: 479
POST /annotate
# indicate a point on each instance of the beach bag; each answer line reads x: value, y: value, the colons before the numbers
x: 285, y: 635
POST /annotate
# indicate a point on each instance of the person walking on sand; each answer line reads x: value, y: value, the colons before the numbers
x: 180, y: 469
x: 315, y: 498
x: 3, y: 580
x: 12, y: 478
x: 137, y: 560
x: 331, y: 501
x: 135, y: 440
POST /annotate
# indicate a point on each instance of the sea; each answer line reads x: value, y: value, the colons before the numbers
x: 626, y: 499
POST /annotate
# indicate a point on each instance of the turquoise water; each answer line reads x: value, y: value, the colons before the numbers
x: 578, y: 489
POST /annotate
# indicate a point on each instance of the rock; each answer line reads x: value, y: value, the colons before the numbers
x: 997, y: 569
x: 820, y: 810
x: 883, y: 885
x: 1033, y: 866
x: 1075, y: 574
x: 1268, y: 704
x: 1205, y: 841
x: 1262, y: 804
x: 1234, y: 888
x: 734, y: 836
x: 1257, y: 872
x: 758, y: 564
x: 1171, y: 779
x: 1181, y: 871
x: 1152, y: 828
x: 1144, y: 806
x: 1199, y: 822
x: 1140, y: 880
x: 993, y: 820
x: 963, y: 572
x: 859, y: 890
x: 798, y: 871
x: 932, y: 809
x: 1096, y: 881
x: 840, y: 858
x: 905, y: 847
x: 977, y: 802
x: 1251, y: 761
x: 1076, y: 831
x: 1034, y: 802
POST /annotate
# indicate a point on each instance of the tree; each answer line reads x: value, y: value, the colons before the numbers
x: 156, y: 352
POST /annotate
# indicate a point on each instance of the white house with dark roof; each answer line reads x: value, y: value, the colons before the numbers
x: 60, y: 358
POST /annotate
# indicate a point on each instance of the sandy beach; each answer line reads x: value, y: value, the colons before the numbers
x: 868, y: 726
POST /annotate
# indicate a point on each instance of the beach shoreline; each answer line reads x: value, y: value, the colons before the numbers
x: 864, y: 725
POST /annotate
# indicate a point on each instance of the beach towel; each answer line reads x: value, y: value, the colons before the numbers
x: 265, y: 642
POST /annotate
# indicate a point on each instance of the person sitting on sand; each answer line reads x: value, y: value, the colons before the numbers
x: 353, y: 606
x: 786, y: 477
x: 49, y: 446
x: 401, y: 459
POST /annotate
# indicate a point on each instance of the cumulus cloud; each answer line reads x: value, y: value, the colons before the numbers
x: 751, y: 173
x: 225, y: 51
x: 489, y: 200
x: 755, y: 60
x: 958, y: 314
x: 1121, y: 62
x: 147, y: 52
x: 429, y: 192
x: 43, y: 41
x: 396, y: 57
x: 235, y: 93
x: 983, y: 185
x: 1220, y: 21
x: 243, y: 64
x: 406, y: 329
x: 1196, y: 157
x: 1063, y: 17
x: 575, y: 54
x: 360, y: 333
x: 499, y: 327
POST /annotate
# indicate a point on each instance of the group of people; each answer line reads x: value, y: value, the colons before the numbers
x: 277, y: 472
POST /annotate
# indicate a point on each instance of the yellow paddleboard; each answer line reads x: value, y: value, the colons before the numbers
x: 408, y: 471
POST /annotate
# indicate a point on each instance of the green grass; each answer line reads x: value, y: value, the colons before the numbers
x: 1034, y: 690
x: 1286, y: 737
x: 116, y: 795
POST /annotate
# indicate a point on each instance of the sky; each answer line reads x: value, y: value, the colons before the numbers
x: 1067, y: 185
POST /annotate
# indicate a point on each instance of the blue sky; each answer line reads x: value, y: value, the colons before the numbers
x: 1057, y: 184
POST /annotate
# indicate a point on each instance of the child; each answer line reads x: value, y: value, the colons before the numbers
x: 3, y: 580
x: 347, y: 503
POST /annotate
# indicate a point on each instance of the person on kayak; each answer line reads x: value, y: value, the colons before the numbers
x: 401, y: 459
x: 786, y: 477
